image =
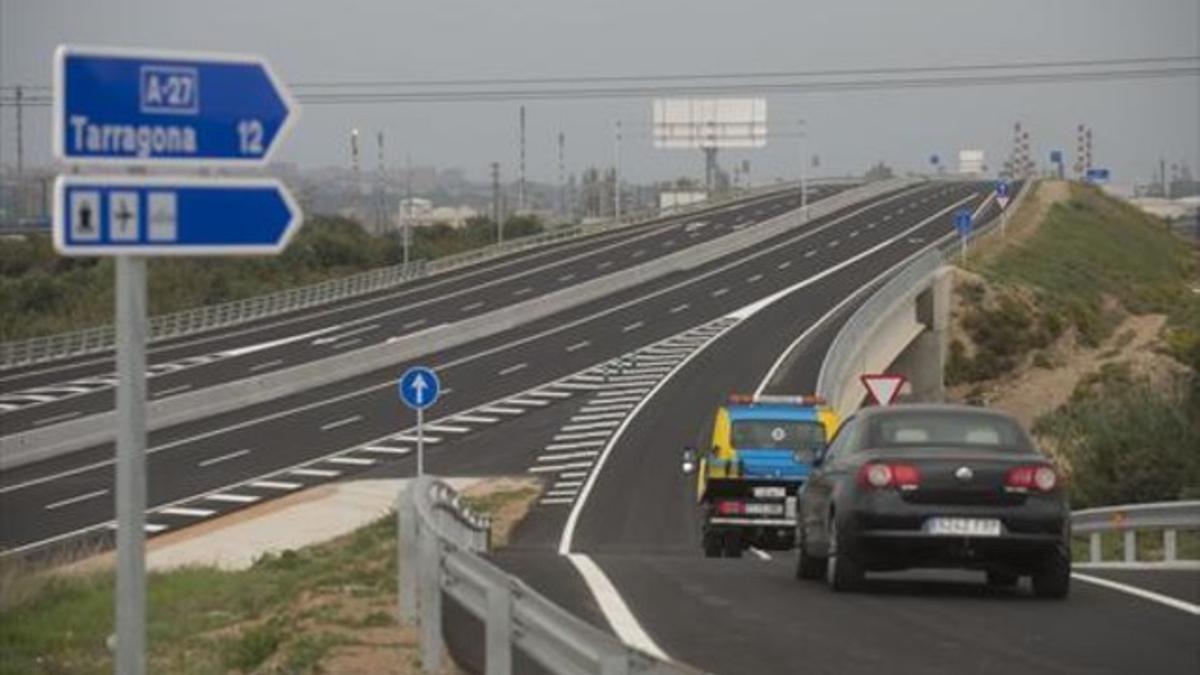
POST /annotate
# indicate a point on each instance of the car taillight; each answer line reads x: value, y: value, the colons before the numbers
x: 879, y: 475
x: 726, y: 508
x: 1026, y: 478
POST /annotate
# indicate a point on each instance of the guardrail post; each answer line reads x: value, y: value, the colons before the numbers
x: 1094, y: 550
x: 1170, y: 546
x: 1130, y: 546
x: 498, y: 627
x: 431, y: 602
x: 406, y: 555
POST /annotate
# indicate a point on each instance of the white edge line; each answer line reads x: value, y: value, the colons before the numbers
x: 622, y: 620
x: 1142, y: 593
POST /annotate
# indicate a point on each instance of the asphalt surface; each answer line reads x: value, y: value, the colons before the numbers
x: 287, y: 442
x: 43, y: 394
x: 640, y: 526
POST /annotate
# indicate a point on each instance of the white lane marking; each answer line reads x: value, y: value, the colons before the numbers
x: 351, y: 461
x: 679, y: 308
x: 578, y: 345
x: 719, y: 292
x: 562, y: 456
x: 172, y: 390
x: 475, y: 419
x: 870, y: 226
x: 341, y: 422
x: 762, y: 555
x: 854, y: 234
x: 552, y: 502
x: 622, y: 399
x: 471, y: 307
x: 232, y: 498
x: 591, y: 425
x: 341, y: 336
x: 512, y: 369
x: 633, y: 326
x: 185, y: 511
x: 561, y: 493
x: 622, y: 620
x: 581, y: 436
x: 668, y: 243
x: 276, y: 485
x: 413, y: 324
x: 523, y: 291
x: 385, y: 450
x: 262, y: 346
x: 756, y: 277
x: 887, y: 216
x: 601, y: 416
x: 440, y: 428
x: 57, y: 418
x: 603, y: 265
x: 153, y: 528
x: 550, y: 393
x: 75, y: 500
x: 224, y: 458
x: 500, y: 410
x: 555, y: 468
x: 316, y: 473
x: 567, y: 277
x: 832, y: 244
x: 533, y: 402
x: 263, y: 366
x: 606, y: 408
x: 573, y: 474
x: 638, y: 253
x: 576, y: 445
x: 411, y: 437
x: 567, y: 484
x: 1142, y: 593
x: 347, y: 343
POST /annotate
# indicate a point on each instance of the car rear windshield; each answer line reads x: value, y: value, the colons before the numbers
x: 781, y: 434
x: 945, y: 428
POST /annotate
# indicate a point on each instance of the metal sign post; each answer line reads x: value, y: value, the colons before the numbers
x: 1002, y: 200
x: 962, y: 223
x: 419, y: 388
x: 130, y: 109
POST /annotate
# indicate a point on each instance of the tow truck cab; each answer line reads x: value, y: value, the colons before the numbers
x: 747, y: 478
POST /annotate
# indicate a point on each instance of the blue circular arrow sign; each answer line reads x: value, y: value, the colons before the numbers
x: 419, y: 387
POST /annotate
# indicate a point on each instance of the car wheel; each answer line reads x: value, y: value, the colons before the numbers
x: 1002, y: 578
x: 807, y: 566
x: 842, y: 571
x: 733, y: 544
x: 1052, y: 579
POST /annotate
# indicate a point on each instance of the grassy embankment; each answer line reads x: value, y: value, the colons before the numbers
x: 1065, y: 283
x: 324, y: 608
x: 42, y: 293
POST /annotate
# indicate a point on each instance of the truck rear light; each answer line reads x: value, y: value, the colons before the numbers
x: 1026, y: 478
x: 879, y: 475
x: 728, y: 508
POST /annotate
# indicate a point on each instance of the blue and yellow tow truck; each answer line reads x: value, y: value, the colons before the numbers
x: 746, y: 479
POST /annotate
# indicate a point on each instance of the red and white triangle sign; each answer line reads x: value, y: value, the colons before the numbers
x: 1002, y: 201
x: 883, y: 387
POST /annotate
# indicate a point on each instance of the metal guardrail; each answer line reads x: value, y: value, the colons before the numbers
x: 439, y: 546
x: 210, y: 317
x: 1128, y: 519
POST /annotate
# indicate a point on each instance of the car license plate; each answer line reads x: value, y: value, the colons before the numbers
x: 770, y: 492
x: 964, y: 527
x: 756, y: 509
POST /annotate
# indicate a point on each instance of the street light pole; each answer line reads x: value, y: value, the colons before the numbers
x: 803, y: 172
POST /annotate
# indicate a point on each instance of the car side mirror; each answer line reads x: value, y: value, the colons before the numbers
x: 689, y: 460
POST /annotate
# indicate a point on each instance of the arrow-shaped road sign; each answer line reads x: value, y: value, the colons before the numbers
x: 132, y: 106
x: 163, y: 215
x: 883, y: 388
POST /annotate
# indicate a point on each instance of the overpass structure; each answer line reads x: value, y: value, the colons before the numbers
x: 597, y: 397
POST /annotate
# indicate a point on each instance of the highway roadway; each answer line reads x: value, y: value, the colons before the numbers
x: 44, y: 394
x: 205, y: 468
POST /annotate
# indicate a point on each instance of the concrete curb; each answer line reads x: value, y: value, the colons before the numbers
x: 56, y: 440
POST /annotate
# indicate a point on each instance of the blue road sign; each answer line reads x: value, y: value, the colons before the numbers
x: 934, y: 159
x: 1001, y: 188
x: 139, y: 106
x: 1097, y: 175
x: 962, y: 222
x: 1056, y: 157
x: 419, y: 387
x: 165, y: 215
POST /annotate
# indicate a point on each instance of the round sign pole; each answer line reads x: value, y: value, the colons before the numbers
x: 420, y: 442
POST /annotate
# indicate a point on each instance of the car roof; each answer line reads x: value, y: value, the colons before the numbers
x: 900, y: 408
x: 772, y: 412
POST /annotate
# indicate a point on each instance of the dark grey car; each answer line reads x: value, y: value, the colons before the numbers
x: 934, y: 486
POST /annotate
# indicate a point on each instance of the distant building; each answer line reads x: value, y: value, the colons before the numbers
x: 421, y: 212
x: 970, y: 162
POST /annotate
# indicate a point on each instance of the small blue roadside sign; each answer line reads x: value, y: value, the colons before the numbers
x: 1056, y: 157
x: 962, y: 222
x: 165, y: 215
x: 1097, y: 175
x: 1001, y: 188
x: 934, y: 159
x: 133, y: 106
x: 419, y: 387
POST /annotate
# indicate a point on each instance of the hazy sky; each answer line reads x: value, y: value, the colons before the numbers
x: 1133, y: 121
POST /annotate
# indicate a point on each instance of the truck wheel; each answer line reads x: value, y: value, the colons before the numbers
x: 1052, y: 579
x: 713, y: 544
x: 807, y: 566
x: 842, y: 571
x: 733, y: 544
